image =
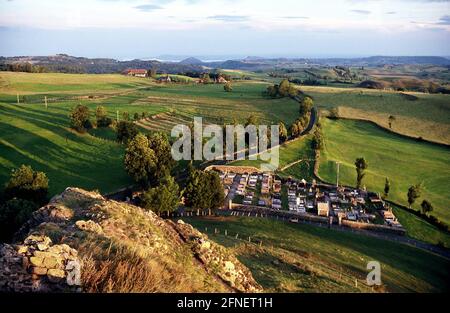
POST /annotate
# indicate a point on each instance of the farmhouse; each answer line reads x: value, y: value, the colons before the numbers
x: 164, y: 79
x: 135, y: 72
x: 221, y: 80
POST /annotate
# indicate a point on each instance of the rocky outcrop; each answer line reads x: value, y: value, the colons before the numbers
x: 81, y: 241
x: 37, y: 265
x: 218, y: 259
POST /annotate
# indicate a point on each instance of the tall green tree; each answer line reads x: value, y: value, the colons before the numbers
x: 204, y: 190
x: 162, y: 198
x: 426, y: 207
x: 387, y: 187
x: 160, y: 145
x: 414, y: 192
x: 305, y: 106
x: 391, y: 120
x: 79, y: 118
x: 361, y: 166
x: 282, y: 131
x: 140, y: 160
x: 25, y: 183
x: 126, y: 131
x: 102, y: 118
x: 283, y: 88
x: 317, y: 141
x: 295, y: 131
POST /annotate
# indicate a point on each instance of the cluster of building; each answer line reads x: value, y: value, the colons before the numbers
x: 265, y: 190
x: 137, y: 72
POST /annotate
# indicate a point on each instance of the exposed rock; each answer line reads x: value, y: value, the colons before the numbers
x: 89, y: 226
x: 219, y: 260
x: 35, y: 265
x: 120, y: 248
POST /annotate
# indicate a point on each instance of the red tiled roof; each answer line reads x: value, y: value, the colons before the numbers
x: 136, y: 71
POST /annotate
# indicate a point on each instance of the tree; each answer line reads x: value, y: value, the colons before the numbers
x: 227, y: 87
x: 151, y: 73
x: 215, y: 190
x: 163, y: 198
x: 272, y: 90
x: 252, y: 120
x: 101, y: 116
x: 317, y: 141
x: 126, y: 131
x: 361, y: 165
x: 143, y: 115
x: 100, y: 112
x: 13, y: 214
x: 282, y: 131
x: 305, y: 106
x: 414, y: 193
x: 160, y: 145
x: 283, y: 88
x: 334, y: 113
x: 426, y: 207
x: 79, y: 118
x: 391, y: 120
x: 25, y: 183
x: 204, y: 190
x: 206, y: 79
x: 136, y: 116
x: 126, y: 116
x: 140, y: 160
x: 295, y: 132
x: 387, y: 187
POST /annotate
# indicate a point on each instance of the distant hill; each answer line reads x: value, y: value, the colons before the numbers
x: 70, y: 64
x: 191, y: 61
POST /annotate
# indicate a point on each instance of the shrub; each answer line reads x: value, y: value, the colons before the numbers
x: 334, y: 114
x: 13, y: 214
x: 25, y: 183
x: 227, y: 87
x: 126, y: 131
x: 79, y: 118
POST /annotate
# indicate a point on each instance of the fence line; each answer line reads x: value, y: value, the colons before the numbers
x: 247, y: 239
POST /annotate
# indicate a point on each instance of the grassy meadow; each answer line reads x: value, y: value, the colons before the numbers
x: 306, y: 258
x: 38, y: 136
x: 404, y: 161
x: 32, y: 134
x: 417, y: 114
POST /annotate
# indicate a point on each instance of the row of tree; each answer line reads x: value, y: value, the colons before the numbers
x: 284, y: 89
x: 125, y: 128
x: 23, y: 67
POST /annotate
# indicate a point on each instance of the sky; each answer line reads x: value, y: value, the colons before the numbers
x: 215, y: 29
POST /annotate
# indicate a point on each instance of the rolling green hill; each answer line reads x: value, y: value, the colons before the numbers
x: 404, y: 161
x: 423, y: 115
x: 39, y: 136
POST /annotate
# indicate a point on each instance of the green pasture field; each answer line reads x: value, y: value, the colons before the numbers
x: 404, y: 161
x: 428, y: 116
x: 306, y: 258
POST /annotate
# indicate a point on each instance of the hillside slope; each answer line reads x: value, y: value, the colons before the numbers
x: 120, y: 248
